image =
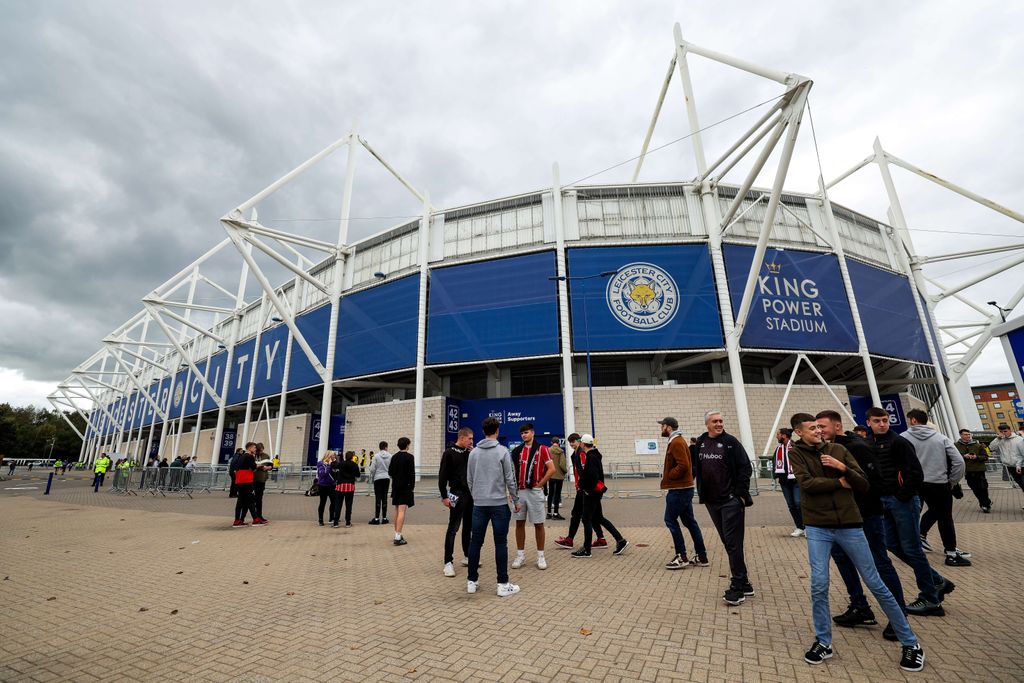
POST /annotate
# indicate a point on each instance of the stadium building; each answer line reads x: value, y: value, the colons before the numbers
x: 581, y: 308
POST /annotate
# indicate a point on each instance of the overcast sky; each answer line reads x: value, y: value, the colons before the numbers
x: 129, y: 128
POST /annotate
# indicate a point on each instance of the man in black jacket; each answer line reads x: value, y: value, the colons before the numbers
x: 402, y: 471
x: 870, y: 505
x: 900, y: 478
x: 722, y: 472
x: 451, y: 480
x: 592, y: 488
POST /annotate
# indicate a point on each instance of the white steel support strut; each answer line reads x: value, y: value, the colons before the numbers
x: 421, y: 333
x: 252, y: 369
x: 236, y: 321
x: 282, y: 401
x: 568, y: 395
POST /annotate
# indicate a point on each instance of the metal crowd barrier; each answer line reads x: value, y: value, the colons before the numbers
x: 121, y: 482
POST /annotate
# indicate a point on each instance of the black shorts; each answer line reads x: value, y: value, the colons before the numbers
x: 402, y: 498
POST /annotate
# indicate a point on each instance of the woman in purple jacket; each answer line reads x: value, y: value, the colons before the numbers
x: 325, y: 485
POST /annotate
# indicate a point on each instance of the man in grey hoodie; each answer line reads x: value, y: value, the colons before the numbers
x: 381, y: 483
x: 492, y: 483
x: 943, y: 467
x: 1009, y: 448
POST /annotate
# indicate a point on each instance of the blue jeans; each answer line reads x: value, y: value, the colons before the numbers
x: 498, y: 517
x: 819, y: 547
x: 874, y: 531
x: 791, y: 492
x: 903, y: 538
x: 679, y: 506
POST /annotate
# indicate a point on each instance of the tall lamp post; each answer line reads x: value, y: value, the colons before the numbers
x: 1002, y: 311
x: 586, y: 330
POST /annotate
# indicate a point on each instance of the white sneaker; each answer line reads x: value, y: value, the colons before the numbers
x: 797, y: 533
x: 518, y: 562
x: 465, y: 562
x: 506, y: 589
x: 471, y: 586
x: 542, y: 563
x: 449, y: 569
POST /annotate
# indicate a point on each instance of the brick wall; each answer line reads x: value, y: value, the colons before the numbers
x: 370, y: 424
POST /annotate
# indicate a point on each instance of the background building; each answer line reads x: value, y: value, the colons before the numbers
x: 998, y: 403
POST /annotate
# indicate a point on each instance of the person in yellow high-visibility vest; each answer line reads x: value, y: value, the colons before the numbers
x: 100, y: 470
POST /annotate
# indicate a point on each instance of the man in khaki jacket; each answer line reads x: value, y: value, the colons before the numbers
x: 554, y: 485
x: 677, y: 481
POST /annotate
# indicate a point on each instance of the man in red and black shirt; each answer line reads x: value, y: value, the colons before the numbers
x: 533, y: 466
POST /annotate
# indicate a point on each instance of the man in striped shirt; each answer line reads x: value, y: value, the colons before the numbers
x: 533, y: 465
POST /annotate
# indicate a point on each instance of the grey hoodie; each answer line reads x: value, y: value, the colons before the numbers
x: 379, y: 466
x: 1010, y: 450
x: 489, y: 474
x: 941, y: 462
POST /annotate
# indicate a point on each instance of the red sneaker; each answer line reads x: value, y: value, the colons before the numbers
x: 599, y: 543
x: 563, y: 542
x: 238, y: 522
x: 259, y: 520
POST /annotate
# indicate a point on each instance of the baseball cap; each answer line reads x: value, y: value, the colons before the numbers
x: 587, y: 439
x: 670, y: 421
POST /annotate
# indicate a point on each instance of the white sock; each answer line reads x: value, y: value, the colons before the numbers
x: 540, y: 554
x: 520, y: 553
x: 398, y: 536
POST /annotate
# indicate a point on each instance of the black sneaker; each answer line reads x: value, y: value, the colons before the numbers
x: 913, y: 658
x: 400, y: 541
x: 700, y: 561
x: 924, y: 608
x: 620, y: 546
x: 889, y: 633
x: 818, y: 653
x: 747, y: 589
x: 334, y: 525
x: 320, y: 523
x: 557, y: 516
x: 944, y: 588
x: 374, y: 521
x: 955, y: 559
x: 855, y: 616
x: 733, y: 597
x: 987, y: 509
x: 385, y: 520
x: 582, y: 552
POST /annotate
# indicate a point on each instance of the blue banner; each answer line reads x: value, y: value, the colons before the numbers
x: 335, y: 438
x: 1015, y: 340
x: 377, y: 329
x: 313, y: 325
x: 228, y: 444
x: 886, y: 304
x: 890, y: 402
x: 799, y: 300
x: 544, y: 412
x: 493, y: 309
x: 660, y: 297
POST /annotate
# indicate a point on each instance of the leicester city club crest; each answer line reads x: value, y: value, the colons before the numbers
x: 643, y: 296
x: 178, y: 391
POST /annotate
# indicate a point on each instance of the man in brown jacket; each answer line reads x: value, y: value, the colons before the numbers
x: 828, y: 474
x: 677, y: 480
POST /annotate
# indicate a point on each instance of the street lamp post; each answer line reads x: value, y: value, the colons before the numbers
x: 50, y: 454
x: 1002, y: 311
x: 586, y: 332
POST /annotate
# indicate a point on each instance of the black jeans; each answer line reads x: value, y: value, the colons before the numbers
x: 257, y: 497
x: 459, y: 515
x: 979, y: 485
x: 327, y: 493
x: 554, y: 491
x: 345, y: 501
x: 244, y: 503
x: 577, y: 514
x: 939, y: 500
x: 594, y: 516
x: 729, y: 519
x: 380, y: 491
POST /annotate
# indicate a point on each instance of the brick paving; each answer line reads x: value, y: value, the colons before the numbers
x: 105, y: 587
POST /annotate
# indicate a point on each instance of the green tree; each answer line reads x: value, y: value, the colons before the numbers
x: 27, y: 432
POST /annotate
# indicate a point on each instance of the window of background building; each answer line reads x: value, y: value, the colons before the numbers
x: 985, y: 426
x: 1000, y: 414
x: 997, y: 405
x: 977, y: 397
x: 981, y: 406
x: 1013, y: 394
x: 983, y: 416
x: 994, y: 395
x: 695, y: 374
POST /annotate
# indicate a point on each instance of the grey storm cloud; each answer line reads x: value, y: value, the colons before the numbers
x: 128, y: 129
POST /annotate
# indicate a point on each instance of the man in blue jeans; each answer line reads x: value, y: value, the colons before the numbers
x: 492, y: 483
x: 828, y: 475
x: 869, y: 504
x: 677, y: 481
x: 900, y: 478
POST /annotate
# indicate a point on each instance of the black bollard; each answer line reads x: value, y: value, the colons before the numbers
x: 49, y: 481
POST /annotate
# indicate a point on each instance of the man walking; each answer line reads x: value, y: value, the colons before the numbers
x: 1009, y: 448
x: 900, y: 478
x: 942, y: 467
x: 828, y: 474
x: 722, y: 474
x: 492, y: 483
x: 573, y: 441
x: 975, y: 463
x: 402, y: 471
x: 592, y: 488
x: 555, y: 483
x: 869, y: 504
x: 381, y: 482
x: 103, y: 464
x: 787, y: 482
x: 533, y: 470
x: 677, y: 482
x: 451, y: 480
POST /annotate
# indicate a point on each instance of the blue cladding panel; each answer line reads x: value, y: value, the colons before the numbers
x: 377, y: 329
x: 241, y: 369
x: 662, y: 297
x: 887, y: 310
x: 270, y: 363
x: 493, y: 309
x: 799, y: 300
x: 313, y: 326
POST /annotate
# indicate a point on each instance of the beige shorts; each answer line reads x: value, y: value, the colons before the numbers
x: 533, y: 506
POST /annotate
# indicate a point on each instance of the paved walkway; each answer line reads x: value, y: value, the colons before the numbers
x: 104, y: 587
